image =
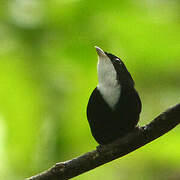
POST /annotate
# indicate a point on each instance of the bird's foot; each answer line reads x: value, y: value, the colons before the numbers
x: 102, y: 148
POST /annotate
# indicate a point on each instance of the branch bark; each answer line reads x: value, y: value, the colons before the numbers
x: 103, y: 154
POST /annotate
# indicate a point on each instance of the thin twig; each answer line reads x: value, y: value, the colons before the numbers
x: 103, y: 154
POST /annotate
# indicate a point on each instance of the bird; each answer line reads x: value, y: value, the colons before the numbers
x: 114, y: 106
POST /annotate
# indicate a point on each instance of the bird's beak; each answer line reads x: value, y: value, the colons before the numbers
x: 100, y: 52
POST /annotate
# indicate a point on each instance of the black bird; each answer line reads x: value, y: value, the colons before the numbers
x: 114, y: 105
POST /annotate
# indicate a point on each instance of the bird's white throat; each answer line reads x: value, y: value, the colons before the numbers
x: 107, y: 81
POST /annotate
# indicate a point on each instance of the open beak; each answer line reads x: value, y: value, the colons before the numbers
x: 100, y: 52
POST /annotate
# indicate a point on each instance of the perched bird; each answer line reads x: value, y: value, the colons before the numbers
x: 114, y: 105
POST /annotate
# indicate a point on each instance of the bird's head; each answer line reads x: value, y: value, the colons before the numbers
x: 111, y: 70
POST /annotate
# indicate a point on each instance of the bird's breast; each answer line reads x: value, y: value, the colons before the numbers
x: 110, y: 94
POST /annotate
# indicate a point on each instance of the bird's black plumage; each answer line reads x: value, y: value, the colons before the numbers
x: 107, y: 123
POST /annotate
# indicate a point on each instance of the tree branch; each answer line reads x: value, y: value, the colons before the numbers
x: 103, y: 154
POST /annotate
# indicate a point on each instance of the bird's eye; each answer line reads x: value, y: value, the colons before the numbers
x: 117, y: 60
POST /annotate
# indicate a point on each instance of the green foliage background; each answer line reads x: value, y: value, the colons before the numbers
x: 48, y: 71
